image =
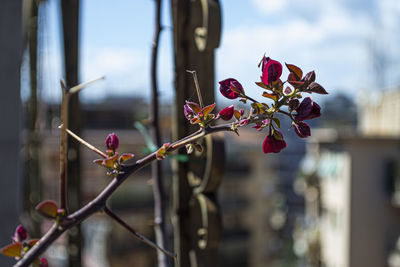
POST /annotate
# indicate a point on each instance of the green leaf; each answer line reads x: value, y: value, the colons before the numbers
x: 206, y: 110
x: 295, y: 70
x: 147, y: 138
x: 181, y: 158
x: 12, y: 250
x: 47, y: 208
x: 317, y: 88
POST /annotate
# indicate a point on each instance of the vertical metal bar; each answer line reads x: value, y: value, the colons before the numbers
x: 160, y: 202
x: 187, y: 16
x: 181, y: 188
x: 70, y: 18
x: 31, y: 155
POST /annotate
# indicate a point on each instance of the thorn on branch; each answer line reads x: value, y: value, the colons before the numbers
x: 138, y: 235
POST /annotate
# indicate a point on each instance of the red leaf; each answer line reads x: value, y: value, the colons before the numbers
x: 272, y: 96
x: 317, y: 88
x: 262, y: 85
x: 48, y: 209
x: 296, y: 70
x: 194, y: 106
x: 12, y: 250
x: 310, y: 77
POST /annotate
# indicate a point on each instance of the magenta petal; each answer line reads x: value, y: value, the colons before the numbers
x: 272, y: 71
x: 230, y: 88
x: 307, y: 110
x: 227, y: 113
x: 273, y: 145
x: 189, y: 113
x: 302, y: 129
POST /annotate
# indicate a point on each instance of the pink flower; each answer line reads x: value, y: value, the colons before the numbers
x: 231, y: 88
x: 227, y: 113
x: 307, y: 110
x: 302, y: 129
x: 271, y: 70
x: 112, y: 142
x: 274, y: 143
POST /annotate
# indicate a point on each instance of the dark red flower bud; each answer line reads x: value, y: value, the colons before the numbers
x: 274, y: 143
x: 227, y: 113
x: 271, y: 71
x: 112, y: 142
x: 20, y: 234
x: 308, y: 110
x: 230, y: 88
x: 302, y: 129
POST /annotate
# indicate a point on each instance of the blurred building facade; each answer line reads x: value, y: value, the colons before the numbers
x: 350, y: 182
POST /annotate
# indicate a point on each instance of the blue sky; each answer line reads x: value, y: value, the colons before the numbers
x: 333, y: 37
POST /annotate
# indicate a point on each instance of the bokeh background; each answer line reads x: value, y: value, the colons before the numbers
x: 330, y: 200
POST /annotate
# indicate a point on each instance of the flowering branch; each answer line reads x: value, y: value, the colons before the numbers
x: 260, y: 114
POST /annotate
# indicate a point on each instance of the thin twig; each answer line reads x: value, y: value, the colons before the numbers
x: 83, y: 142
x: 137, y: 234
x: 79, y: 87
x: 196, y: 83
x: 63, y: 147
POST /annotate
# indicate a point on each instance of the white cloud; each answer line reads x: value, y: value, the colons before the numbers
x: 269, y: 6
x: 332, y: 42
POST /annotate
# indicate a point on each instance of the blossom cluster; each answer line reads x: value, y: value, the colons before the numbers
x: 286, y: 96
x: 20, y: 246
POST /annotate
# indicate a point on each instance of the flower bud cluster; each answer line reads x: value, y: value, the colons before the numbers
x: 287, y: 97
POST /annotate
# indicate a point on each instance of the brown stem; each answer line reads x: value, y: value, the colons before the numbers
x: 63, y: 147
x: 137, y: 234
x: 196, y: 84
